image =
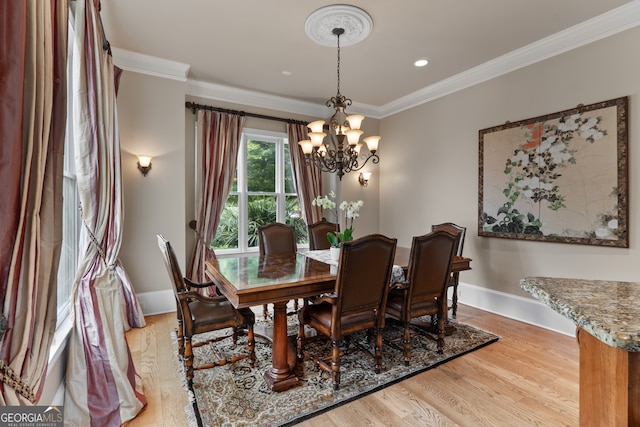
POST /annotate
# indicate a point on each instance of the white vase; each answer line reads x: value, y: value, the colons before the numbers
x: 334, y: 253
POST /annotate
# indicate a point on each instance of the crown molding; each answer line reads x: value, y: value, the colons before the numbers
x: 597, y: 28
x: 218, y: 92
x: 151, y: 65
x: 234, y: 95
x: 600, y: 27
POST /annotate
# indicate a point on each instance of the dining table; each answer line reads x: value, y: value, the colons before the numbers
x: 249, y: 279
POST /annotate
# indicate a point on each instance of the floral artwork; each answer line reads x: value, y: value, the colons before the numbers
x: 558, y: 178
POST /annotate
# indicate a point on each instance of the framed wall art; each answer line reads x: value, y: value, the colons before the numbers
x: 561, y: 177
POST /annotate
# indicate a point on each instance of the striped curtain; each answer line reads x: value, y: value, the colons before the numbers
x: 33, y: 50
x: 103, y: 388
x: 218, y: 142
x: 308, y: 179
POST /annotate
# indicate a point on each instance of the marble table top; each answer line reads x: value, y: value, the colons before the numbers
x: 608, y: 310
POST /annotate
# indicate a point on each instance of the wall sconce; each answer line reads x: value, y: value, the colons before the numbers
x: 363, y: 179
x: 144, y: 164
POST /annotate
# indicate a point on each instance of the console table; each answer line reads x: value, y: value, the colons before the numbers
x: 607, y: 316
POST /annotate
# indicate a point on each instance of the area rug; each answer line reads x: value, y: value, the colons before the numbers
x: 235, y: 395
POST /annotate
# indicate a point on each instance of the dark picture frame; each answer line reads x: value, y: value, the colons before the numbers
x: 561, y: 177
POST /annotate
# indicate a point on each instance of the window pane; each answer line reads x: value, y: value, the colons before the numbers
x: 261, y: 211
x: 294, y: 217
x: 261, y: 166
x: 227, y: 233
x: 289, y: 186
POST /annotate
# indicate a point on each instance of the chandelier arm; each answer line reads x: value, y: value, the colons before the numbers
x: 332, y: 152
x: 355, y: 165
x: 324, y: 163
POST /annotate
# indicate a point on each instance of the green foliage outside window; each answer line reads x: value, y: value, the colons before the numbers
x: 261, y: 208
x: 262, y: 211
x: 261, y: 166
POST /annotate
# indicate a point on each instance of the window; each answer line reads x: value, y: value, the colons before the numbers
x: 263, y: 192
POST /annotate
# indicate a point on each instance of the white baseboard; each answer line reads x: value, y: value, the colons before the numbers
x: 515, y: 307
x: 512, y: 306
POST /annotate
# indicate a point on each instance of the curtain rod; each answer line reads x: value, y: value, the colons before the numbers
x: 194, y: 107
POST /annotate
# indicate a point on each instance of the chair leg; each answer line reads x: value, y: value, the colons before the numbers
x: 251, y: 345
x: 441, y: 332
x: 300, y: 341
x: 335, y: 364
x: 378, y: 350
x: 369, y: 336
x: 296, y: 306
x: 234, y: 335
x: 406, y: 343
x: 188, y: 358
x: 265, y: 311
x: 180, y: 336
x: 347, y: 341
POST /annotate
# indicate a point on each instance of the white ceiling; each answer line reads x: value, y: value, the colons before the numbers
x: 247, y: 44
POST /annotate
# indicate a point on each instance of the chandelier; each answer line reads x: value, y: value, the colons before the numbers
x: 341, y: 152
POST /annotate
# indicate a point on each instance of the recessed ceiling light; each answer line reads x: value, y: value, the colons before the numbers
x: 421, y: 62
x: 287, y: 73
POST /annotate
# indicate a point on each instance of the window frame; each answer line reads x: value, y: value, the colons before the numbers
x: 281, y: 140
x: 71, y: 223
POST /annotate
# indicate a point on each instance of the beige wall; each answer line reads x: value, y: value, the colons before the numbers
x: 430, y: 162
x: 152, y: 121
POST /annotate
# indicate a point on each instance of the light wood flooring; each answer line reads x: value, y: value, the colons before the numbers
x: 528, y: 378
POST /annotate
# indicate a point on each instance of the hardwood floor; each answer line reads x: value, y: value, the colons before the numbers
x: 529, y: 377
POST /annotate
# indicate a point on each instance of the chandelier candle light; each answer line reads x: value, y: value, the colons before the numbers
x: 338, y: 155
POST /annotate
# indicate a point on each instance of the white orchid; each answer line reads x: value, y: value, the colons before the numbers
x: 351, y: 212
x: 325, y: 202
x: 351, y: 209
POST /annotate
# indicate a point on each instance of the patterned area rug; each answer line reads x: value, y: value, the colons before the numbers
x: 235, y: 395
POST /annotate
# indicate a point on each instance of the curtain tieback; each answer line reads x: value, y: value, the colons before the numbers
x: 201, y: 240
x: 99, y: 248
x: 10, y: 378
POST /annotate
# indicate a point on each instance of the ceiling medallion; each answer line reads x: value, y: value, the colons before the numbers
x: 357, y: 25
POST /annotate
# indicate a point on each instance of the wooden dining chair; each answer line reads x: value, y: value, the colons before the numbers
x: 276, y: 238
x: 198, y: 314
x: 455, y: 276
x: 317, y: 233
x: 357, y: 303
x: 424, y: 292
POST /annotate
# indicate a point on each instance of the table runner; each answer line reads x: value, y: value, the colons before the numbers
x: 323, y: 255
